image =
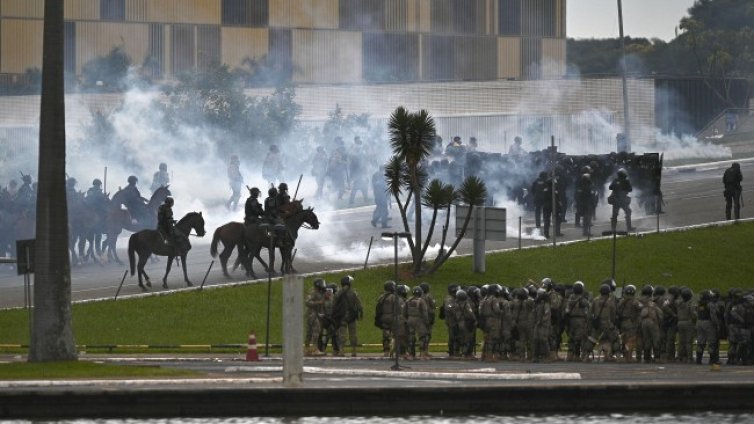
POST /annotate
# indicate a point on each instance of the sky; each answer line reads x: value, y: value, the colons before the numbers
x: 641, y: 18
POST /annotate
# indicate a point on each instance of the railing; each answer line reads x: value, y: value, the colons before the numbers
x: 729, y: 121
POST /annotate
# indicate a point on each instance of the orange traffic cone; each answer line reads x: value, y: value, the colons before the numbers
x: 251, y: 350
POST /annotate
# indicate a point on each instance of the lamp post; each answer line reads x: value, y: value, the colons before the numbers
x: 615, y: 235
x: 626, y: 122
x: 270, y: 270
x: 395, y: 236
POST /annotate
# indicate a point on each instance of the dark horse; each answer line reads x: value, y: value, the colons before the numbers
x: 148, y: 242
x: 258, y: 236
x: 236, y: 234
x: 119, y: 219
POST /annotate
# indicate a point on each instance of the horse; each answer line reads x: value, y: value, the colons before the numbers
x: 148, y: 242
x: 119, y: 219
x: 231, y: 235
x: 257, y: 236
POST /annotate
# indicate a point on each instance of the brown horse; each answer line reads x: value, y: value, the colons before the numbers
x: 231, y: 236
x: 284, y: 237
x: 148, y: 242
x: 119, y: 219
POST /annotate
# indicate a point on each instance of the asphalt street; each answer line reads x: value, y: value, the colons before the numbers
x: 692, y: 194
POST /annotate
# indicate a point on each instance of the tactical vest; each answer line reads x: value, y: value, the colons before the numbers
x: 413, y: 308
x: 683, y: 311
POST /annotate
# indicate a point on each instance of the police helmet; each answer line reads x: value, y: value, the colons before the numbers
x: 586, y: 169
x: 452, y: 289
x: 461, y: 295
x: 521, y: 293
x: 417, y: 291
x: 647, y: 290
x: 604, y: 289
x: 132, y: 179
x: 505, y: 292
x: 254, y: 191
x: 541, y: 293
x: 715, y: 294
x: 674, y: 291
x: 402, y: 289
x: 234, y: 159
x: 346, y: 281
x: 736, y: 165
x: 26, y: 179
x: 71, y: 182
x: 163, y: 166
x: 484, y: 290
x: 474, y: 292
x: 659, y: 291
x: 705, y: 296
x: 630, y: 290
x: 333, y: 286
x: 543, y: 174
x: 272, y: 191
x: 611, y: 283
x: 494, y: 289
x: 578, y: 287
x: 389, y: 286
x: 96, y: 182
x: 274, y: 148
x: 169, y: 201
x: 622, y: 173
x: 425, y: 287
x: 547, y: 283
x: 531, y: 291
x: 319, y: 283
x: 282, y: 186
x: 686, y: 294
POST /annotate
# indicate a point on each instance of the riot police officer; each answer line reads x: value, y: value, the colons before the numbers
x: 161, y: 178
x: 253, y: 209
x: 271, y: 205
x: 620, y: 199
x: 732, y: 181
x: 165, y: 222
x: 283, y: 198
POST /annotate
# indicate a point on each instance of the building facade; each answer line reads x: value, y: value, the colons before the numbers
x: 304, y: 41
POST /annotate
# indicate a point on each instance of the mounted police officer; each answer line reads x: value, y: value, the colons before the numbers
x: 620, y: 199
x: 271, y: 206
x: 283, y: 198
x: 165, y: 221
x: 70, y: 192
x: 253, y: 209
x: 96, y: 199
x: 732, y: 181
x: 132, y: 197
x: 26, y: 196
x: 161, y: 178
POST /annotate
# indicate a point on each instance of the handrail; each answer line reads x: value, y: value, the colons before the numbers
x: 720, y: 116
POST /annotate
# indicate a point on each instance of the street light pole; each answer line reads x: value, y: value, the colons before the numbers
x: 626, y: 126
x: 271, y: 235
x: 396, y: 322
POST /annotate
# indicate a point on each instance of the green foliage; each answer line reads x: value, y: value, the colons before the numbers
x: 107, y: 73
x: 715, y: 257
x: 717, y: 41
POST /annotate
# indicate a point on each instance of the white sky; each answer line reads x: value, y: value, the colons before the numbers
x: 641, y: 18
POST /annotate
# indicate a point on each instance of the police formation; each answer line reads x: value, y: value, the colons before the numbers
x: 580, y: 182
x: 542, y: 322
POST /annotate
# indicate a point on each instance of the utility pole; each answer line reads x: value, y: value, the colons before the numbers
x: 626, y: 121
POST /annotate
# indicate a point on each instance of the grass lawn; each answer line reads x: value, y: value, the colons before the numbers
x: 85, y: 370
x: 717, y: 257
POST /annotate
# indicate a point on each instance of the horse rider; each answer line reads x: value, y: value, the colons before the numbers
x: 70, y: 191
x: 161, y: 178
x: 283, y: 197
x: 165, y: 221
x: 25, y: 196
x: 253, y: 209
x: 96, y: 198
x: 271, y: 206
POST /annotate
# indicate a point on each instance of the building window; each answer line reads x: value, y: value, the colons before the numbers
x: 367, y: 15
x: 154, y: 64
x: 184, y: 48
x: 510, y: 17
x: 390, y: 57
x: 207, y: 46
x: 280, y: 56
x: 245, y: 12
x: 69, y: 47
x: 112, y: 10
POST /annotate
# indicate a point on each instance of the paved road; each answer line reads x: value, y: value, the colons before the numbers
x: 693, y: 195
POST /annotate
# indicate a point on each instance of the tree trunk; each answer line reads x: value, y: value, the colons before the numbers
x: 52, y: 332
x: 417, y: 223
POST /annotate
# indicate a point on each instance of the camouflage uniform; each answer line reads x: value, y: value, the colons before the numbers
x: 650, y: 319
x: 522, y: 310
x: 627, y: 317
x: 350, y: 310
x: 541, y: 324
x: 314, y: 308
x: 707, y: 329
x: 577, y: 313
x: 603, y: 324
x: 491, y: 315
x: 686, y: 314
x: 417, y: 321
x: 384, y: 313
x: 447, y: 313
x: 465, y: 321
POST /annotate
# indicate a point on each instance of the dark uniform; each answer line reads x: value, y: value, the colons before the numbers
x: 283, y: 198
x: 25, y: 196
x: 620, y: 199
x: 548, y: 207
x: 253, y: 209
x: 584, y: 197
x: 97, y: 200
x: 732, y: 181
x: 538, y: 197
x: 381, y: 198
x: 271, y: 205
x: 165, y: 222
x: 132, y: 199
x: 235, y: 180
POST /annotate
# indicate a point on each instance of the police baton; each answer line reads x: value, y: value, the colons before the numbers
x: 297, y: 186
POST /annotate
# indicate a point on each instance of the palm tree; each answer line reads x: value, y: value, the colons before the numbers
x: 411, y: 138
x: 473, y: 192
x: 52, y: 332
x: 437, y: 196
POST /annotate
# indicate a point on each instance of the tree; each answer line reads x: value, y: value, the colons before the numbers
x: 107, y: 73
x: 52, y: 332
x: 411, y: 138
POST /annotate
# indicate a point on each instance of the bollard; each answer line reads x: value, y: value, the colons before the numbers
x: 121, y: 284
x: 251, y: 348
x: 205, y: 275
x: 293, y: 330
x: 519, y: 233
x: 369, y: 249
